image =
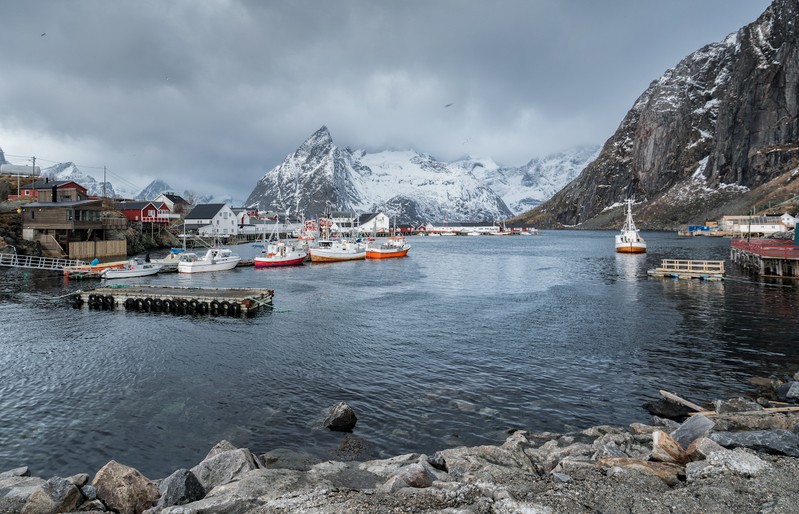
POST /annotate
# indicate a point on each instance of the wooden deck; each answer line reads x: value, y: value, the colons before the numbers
x: 175, y: 300
x: 682, y: 268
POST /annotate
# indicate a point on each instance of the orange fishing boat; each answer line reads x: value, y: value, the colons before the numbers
x: 394, y: 246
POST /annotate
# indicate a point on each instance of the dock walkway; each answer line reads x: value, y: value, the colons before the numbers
x: 767, y: 257
x: 684, y: 268
x: 217, y: 301
x: 14, y: 260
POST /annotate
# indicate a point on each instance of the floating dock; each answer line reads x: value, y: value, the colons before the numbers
x: 682, y: 268
x: 175, y: 300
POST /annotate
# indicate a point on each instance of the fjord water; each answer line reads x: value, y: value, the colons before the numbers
x: 453, y: 345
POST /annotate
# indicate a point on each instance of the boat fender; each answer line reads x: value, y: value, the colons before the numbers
x: 193, y: 304
x: 167, y: 305
x: 92, y: 299
x: 202, y: 308
x: 148, y: 304
x: 130, y: 304
x: 139, y: 304
x: 108, y: 302
x: 158, y: 304
x: 235, y: 309
x: 183, y: 306
x: 224, y: 307
x: 214, y: 305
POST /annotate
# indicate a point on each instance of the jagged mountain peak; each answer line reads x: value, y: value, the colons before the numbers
x: 153, y: 189
x: 413, y: 186
x: 726, y: 115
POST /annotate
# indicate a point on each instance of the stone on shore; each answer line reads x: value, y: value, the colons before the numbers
x: 224, y: 466
x: 781, y: 442
x: 739, y: 462
x: 693, y: 428
x: 341, y: 418
x: 180, y: 488
x: 54, y: 496
x: 124, y: 489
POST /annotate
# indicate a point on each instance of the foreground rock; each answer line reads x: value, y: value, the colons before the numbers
x: 662, y: 466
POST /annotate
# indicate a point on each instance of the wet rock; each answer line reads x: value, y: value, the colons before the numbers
x: 693, y: 428
x: 341, y: 418
x: 669, y: 424
x: 665, y: 409
x: 288, y: 459
x: 756, y: 421
x: 55, y: 495
x: 353, y: 448
x: 781, y: 442
x: 792, y: 395
x: 124, y: 489
x: 89, y: 492
x: 78, y: 480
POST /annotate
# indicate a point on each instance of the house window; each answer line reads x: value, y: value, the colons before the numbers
x: 69, y: 214
x: 33, y: 215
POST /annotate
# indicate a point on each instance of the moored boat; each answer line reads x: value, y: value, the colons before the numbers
x: 629, y: 240
x: 134, y: 268
x: 394, y: 246
x: 329, y: 250
x: 215, y: 259
x: 280, y: 253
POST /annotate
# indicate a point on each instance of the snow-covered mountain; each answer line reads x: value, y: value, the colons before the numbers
x: 68, y: 171
x: 412, y: 186
x: 153, y: 189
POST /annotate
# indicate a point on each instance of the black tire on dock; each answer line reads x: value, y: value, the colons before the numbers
x: 139, y: 304
x: 92, y: 299
x: 168, y: 306
x: 235, y: 309
x: 108, y: 302
x: 224, y: 307
x: 148, y: 304
x: 214, y: 306
x: 202, y: 308
x: 158, y: 305
x: 130, y: 304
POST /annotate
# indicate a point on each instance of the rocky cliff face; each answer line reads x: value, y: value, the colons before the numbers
x: 718, y: 125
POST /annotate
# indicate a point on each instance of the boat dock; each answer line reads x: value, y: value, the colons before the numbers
x: 683, y: 268
x: 175, y: 299
x: 87, y: 271
x: 767, y: 257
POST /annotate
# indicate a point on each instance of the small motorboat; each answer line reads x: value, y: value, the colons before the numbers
x: 215, y: 259
x: 134, y: 268
x: 280, y: 254
x: 629, y: 240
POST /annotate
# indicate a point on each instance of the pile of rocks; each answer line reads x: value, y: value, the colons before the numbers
x: 739, y: 457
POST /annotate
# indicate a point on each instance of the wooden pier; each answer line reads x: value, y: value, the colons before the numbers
x: 175, y: 300
x: 766, y: 257
x: 682, y: 268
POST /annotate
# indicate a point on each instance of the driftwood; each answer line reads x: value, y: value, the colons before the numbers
x: 673, y: 397
x: 768, y: 410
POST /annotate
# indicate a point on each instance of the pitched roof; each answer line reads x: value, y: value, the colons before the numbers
x: 47, y: 185
x: 128, y: 206
x: 205, y: 211
x: 172, y: 197
x: 367, y: 217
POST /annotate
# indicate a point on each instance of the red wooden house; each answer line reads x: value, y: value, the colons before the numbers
x: 65, y: 191
x: 146, y: 212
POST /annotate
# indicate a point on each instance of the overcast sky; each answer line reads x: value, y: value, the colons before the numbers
x: 209, y: 95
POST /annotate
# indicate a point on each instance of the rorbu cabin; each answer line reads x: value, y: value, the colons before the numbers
x: 67, y: 223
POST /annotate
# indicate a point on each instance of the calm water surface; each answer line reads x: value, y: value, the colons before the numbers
x: 462, y: 340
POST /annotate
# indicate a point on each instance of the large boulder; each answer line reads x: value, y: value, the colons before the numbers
x: 180, y: 488
x: 55, y: 495
x: 124, y: 489
x: 341, y: 418
x: 224, y: 467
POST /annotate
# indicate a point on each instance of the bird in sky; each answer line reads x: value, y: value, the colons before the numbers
x: 43, y: 34
x: 447, y: 106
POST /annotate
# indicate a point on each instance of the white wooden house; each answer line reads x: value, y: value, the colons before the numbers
x: 212, y: 220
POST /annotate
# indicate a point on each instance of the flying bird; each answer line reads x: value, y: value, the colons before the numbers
x: 447, y: 106
x: 43, y: 34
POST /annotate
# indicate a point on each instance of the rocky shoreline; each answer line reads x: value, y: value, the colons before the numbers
x: 737, y: 455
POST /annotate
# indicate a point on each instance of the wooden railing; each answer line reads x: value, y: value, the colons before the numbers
x: 691, y: 266
x: 772, y: 248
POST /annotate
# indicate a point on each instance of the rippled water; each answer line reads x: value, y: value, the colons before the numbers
x: 467, y: 337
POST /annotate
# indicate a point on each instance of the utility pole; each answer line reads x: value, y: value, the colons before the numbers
x: 103, y: 182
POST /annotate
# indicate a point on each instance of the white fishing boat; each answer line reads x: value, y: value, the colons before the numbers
x: 134, y: 268
x: 629, y: 240
x: 215, y: 259
x: 394, y: 246
x: 336, y: 250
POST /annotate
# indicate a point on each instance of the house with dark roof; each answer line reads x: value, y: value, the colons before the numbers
x: 53, y: 190
x: 212, y: 219
x: 175, y: 203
